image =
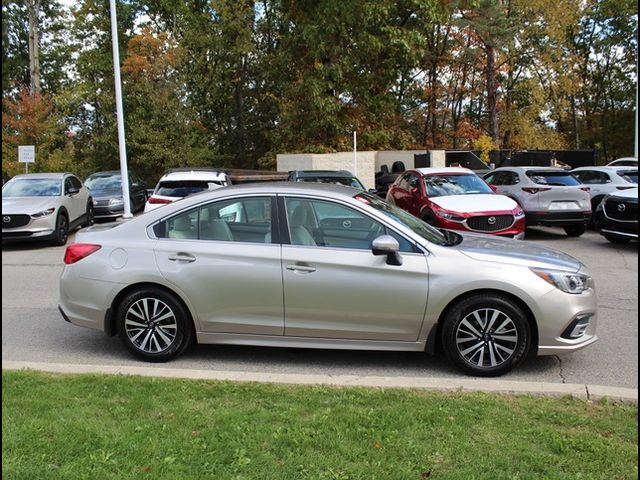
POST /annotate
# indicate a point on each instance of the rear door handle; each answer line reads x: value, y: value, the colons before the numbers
x: 182, y: 257
x: 301, y: 268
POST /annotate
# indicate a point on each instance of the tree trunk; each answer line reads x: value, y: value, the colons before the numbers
x: 492, y: 93
x: 34, y: 42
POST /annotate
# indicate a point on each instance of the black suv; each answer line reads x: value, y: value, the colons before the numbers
x: 617, y: 216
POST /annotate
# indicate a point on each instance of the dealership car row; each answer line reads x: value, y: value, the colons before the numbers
x: 418, y: 277
x: 503, y: 202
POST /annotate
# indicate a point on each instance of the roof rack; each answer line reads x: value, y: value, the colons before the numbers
x: 195, y: 169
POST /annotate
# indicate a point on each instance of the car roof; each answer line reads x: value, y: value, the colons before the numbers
x: 322, y: 173
x: 106, y: 173
x: 444, y: 170
x: 194, y: 174
x: 48, y: 176
x: 607, y: 168
x: 529, y: 168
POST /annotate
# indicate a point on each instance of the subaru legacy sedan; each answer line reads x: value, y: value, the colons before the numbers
x: 323, y: 266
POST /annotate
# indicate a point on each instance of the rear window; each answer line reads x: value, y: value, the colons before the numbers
x: 631, y: 176
x: 184, y: 188
x: 542, y: 177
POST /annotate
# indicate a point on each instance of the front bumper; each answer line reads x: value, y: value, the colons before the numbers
x: 558, y: 317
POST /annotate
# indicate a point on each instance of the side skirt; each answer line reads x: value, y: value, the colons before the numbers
x: 306, y: 342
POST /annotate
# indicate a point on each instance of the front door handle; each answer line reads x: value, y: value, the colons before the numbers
x: 301, y: 268
x: 182, y: 257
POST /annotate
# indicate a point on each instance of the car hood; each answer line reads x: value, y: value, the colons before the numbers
x: 27, y: 205
x: 626, y: 194
x: 481, y: 202
x: 490, y: 248
x: 108, y: 193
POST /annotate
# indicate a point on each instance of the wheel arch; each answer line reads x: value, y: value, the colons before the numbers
x: 110, y: 326
x: 434, y: 342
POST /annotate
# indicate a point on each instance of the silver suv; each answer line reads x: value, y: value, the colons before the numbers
x: 549, y: 196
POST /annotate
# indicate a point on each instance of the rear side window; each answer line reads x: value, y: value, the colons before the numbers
x: 542, y: 177
x: 184, y: 188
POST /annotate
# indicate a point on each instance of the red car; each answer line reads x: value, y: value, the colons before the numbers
x: 456, y: 199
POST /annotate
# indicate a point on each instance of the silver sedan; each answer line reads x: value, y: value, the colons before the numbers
x: 323, y: 266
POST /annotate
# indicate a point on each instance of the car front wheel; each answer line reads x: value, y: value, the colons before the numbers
x: 486, y: 335
x: 62, y: 230
x: 617, y: 240
x: 153, y: 325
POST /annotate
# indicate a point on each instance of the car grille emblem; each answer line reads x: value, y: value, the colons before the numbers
x: 6, y: 219
x: 622, y: 207
x: 491, y: 220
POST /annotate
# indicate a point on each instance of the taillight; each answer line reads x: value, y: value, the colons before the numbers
x: 585, y: 189
x: 157, y: 200
x: 625, y: 187
x: 77, y: 251
x: 535, y: 190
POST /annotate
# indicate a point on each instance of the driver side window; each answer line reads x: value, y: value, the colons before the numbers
x: 327, y: 224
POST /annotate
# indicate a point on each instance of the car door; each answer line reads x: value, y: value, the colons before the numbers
x: 229, y: 267
x: 334, y: 287
x: 75, y: 203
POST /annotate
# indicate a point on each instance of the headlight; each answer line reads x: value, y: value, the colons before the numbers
x: 116, y: 201
x: 43, y: 213
x: 574, y: 283
x: 451, y: 216
x: 519, y: 213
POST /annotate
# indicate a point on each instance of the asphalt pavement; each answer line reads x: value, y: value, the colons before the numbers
x: 35, y: 336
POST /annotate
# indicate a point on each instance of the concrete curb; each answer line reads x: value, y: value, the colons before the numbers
x: 585, y: 392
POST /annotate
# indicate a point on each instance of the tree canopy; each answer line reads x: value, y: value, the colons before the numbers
x: 232, y: 83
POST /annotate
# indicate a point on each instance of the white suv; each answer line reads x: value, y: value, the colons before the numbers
x: 178, y: 183
x: 549, y: 196
x: 605, y: 180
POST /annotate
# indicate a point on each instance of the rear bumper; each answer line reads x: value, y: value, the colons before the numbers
x: 558, y: 218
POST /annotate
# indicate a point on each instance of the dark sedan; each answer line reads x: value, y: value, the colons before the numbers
x: 106, y: 190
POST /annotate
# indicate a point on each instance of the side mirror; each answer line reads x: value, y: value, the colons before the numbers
x: 493, y: 187
x: 415, y: 191
x: 72, y: 190
x: 373, y: 191
x: 389, y: 246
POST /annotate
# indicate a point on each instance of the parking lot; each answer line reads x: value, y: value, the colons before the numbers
x: 33, y: 330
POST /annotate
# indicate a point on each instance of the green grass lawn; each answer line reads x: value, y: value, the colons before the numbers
x: 121, y: 427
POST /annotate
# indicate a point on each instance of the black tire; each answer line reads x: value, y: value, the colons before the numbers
x: 575, y: 230
x: 61, y: 234
x: 427, y: 218
x: 89, y: 220
x: 473, y: 345
x: 617, y: 240
x: 150, y: 339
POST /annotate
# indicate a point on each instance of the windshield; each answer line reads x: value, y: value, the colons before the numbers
x: 32, y: 187
x: 419, y: 227
x: 103, y: 182
x: 550, y: 177
x: 442, y: 185
x: 350, y: 182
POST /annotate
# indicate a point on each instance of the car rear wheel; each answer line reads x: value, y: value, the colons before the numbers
x: 89, y: 221
x: 486, y: 335
x: 153, y: 325
x: 575, y: 230
x: 62, y: 230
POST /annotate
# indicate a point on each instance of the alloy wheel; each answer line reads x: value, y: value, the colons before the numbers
x: 486, y: 338
x: 151, y: 325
